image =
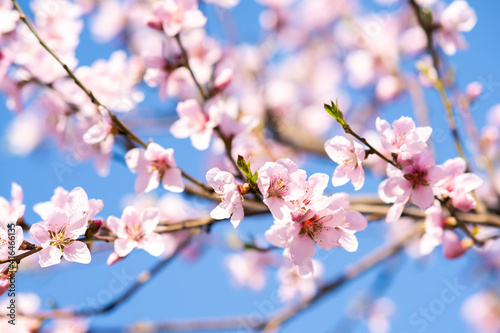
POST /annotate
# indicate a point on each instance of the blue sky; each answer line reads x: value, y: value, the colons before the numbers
x: 203, y: 289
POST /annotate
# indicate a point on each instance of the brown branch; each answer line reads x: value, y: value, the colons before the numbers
x: 141, y: 280
x: 119, y: 125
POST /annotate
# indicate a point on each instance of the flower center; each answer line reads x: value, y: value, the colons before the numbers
x: 312, y: 228
x: 59, y: 239
x: 417, y: 177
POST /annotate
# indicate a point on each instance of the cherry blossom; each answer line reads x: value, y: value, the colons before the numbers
x: 28, y: 304
x: 195, y: 123
x: 58, y: 236
x: 434, y: 229
x: 136, y: 230
x: 11, y: 211
x: 280, y: 184
x: 75, y: 202
x: 8, y: 17
x: 228, y: 191
x: 457, y: 184
x: 404, y: 137
x: 176, y: 15
x: 482, y: 311
x: 331, y: 226
x: 292, y: 284
x: 349, y: 156
x: 415, y: 181
x: 456, y: 18
x: 249, y: 268
x: 154, y: 165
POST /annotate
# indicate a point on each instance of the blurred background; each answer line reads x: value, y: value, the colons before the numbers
x: 197, y: 284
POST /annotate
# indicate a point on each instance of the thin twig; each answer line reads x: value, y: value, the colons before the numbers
x: 122, y: 127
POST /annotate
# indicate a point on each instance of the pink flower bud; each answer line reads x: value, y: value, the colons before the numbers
x: 154, y: 23
x: 114, y: 258
x: 223, y: 79
x: 473, y: 90
x: 452, y: 246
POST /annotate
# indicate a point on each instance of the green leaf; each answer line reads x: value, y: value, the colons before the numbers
x: 334, y: 111
x: 255, y: 177
x: 242, y: 164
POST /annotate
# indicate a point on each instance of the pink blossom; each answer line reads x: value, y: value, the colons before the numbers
x: 28, y: 304
x: 57, y: 235
x: 349, y: 156
x: 100, y: 130
x: 453, y: 247
x: 413, y: 40
x: 388, y: 87
x: 8, y: 17
x: 292, y: 284
x: 457, y: 184
x: 75, y: 202
x: 482, y: 311
x: 195, y: 123
x: 6, y: 242
x: 154, y: 165
x: 178, y: 14
x: 223, y: 80
x: 403, y: 138
x: 228, y: 191
x: 456, y: 18
x: 136, y: 230
x: 329, y: 227
x: 434, y: 231
x: 249, y: 268
x: 311, y: 194
x: 415, y: 181
x: 11, y: 211
x: 474, y: 90
x: 280, y: 184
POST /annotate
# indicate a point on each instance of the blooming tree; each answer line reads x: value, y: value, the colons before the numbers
x: 321, y: 89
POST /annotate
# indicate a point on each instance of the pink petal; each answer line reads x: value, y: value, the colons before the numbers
x: 124, y: 246
x: 16, y: 193
x: 146, y: 182
x: 96, y: 133
x: 57, y: 219
x: 136, y: 160
x: 172, y: 180
x: 348, y: 241
x: 302, y: 250
x: 49, y: 256
x: 150, y: 218
x: 77, y: 202
x: 237, y: 215
x: 130, y: 216
x: 40, y: 233
x: 278, y: 235
x: 77, y: 252
x: 154, y: 152
x: 355, y: 221
x: 452, y: 247
x: 201, y: 140
x: 357, y: 177
x: 116, y: 226
x: 95, y: 206
x: 153, y: 244
x: 422, y: 196
x: 395, y: 212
